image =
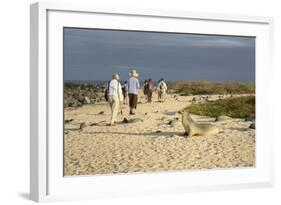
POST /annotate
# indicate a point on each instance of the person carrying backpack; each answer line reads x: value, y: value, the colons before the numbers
x: 125, y: 92
x: 149, y: 90
x: 162, y: 89
x: 115, y: 97
x: 145, y: 88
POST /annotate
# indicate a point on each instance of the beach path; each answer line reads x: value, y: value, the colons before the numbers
x: 152, y: 141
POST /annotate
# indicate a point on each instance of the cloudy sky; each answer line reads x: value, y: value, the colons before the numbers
x: 93, y: 54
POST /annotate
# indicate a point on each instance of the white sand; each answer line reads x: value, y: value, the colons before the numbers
x: 136, y: 147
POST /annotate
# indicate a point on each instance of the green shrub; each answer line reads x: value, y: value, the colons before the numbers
x: 209, y: 88
x: 237, y: 107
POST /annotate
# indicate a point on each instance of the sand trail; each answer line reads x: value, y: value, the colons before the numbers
x: 140, y: 147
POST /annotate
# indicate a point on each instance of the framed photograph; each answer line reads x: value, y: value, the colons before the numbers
x: 130, y: 102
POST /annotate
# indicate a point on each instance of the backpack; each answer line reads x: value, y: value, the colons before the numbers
x: 106, y: 91
x: 161, y: 86
x: 150, y: 86
x: 124, y: 88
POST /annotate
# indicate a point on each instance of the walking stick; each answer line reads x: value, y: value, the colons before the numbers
x: 121, y: 111
x: 120, y: 107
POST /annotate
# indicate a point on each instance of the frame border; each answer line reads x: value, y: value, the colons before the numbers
x: 39, y: 189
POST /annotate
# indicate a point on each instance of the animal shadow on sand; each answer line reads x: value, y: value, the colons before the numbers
x: 238, y: 129
x: 149, y: 134
x: 170, y: 113
x: 72, y: 129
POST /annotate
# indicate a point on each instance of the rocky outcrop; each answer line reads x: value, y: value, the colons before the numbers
x: 253, y: 126
x: 125, y: 120
x: 250, y: 117
x: 78, y: 95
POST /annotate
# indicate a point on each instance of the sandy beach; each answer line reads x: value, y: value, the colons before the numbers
x: 154, y: 141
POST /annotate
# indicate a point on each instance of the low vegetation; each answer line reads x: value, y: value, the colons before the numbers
x: 209, y: 88
x: 237, y: 107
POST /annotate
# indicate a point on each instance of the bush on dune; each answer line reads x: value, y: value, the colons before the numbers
x: 209, y: 88
x: 238, y: 107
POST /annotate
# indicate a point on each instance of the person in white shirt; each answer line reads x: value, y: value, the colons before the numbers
x: 115, y: 97
x: 162, y: 89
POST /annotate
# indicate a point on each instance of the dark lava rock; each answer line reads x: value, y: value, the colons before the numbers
x: 158, y: 131
x: 253, y: 126
x: 250, y: 117
x: 68, y: 121
x: 82, y: 125
x: 196, y: 98
x: 125, y: 120
x: 171, y: 122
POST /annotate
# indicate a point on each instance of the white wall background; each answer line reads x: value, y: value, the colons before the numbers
x: 14, y: 101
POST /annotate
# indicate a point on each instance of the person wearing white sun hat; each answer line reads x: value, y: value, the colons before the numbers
x: 133, y: 86
x: 115, y: 97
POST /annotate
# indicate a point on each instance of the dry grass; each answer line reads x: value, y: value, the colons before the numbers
x: 209, y: 88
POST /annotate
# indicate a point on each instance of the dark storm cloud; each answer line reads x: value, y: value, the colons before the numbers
x: 91, y: 54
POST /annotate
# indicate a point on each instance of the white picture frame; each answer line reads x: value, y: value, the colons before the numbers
x: 46, y: 168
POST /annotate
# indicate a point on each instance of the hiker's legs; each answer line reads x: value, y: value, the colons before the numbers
x: 163, y: 96
x: 130, y: 101
x: 125, y: 99
x: 110, y: 100
x: 114, y: 108
x: 133, y: 100
x: 149, y: 95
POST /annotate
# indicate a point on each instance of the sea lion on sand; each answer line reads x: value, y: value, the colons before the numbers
x: 192, y: 128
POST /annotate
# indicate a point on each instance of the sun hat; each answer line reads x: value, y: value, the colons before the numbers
x: 133, y: 73
x: 116, y: 76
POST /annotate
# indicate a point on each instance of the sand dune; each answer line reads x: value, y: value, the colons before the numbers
x: 140, y: 147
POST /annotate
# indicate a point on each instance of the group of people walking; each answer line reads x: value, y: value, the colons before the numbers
x: 149, y: 87
x: 117, y: 94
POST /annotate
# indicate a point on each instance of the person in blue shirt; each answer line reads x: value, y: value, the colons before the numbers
x: 133, y: 85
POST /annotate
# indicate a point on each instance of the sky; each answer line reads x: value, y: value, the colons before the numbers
x: 95, y: 54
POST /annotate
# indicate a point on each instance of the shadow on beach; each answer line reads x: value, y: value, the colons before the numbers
x: 152, y: 134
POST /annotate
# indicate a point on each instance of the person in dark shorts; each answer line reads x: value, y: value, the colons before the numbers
x: 125, y: 92
x: 133, y: 86
x: 145, y: 88
x: 133, y: 101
